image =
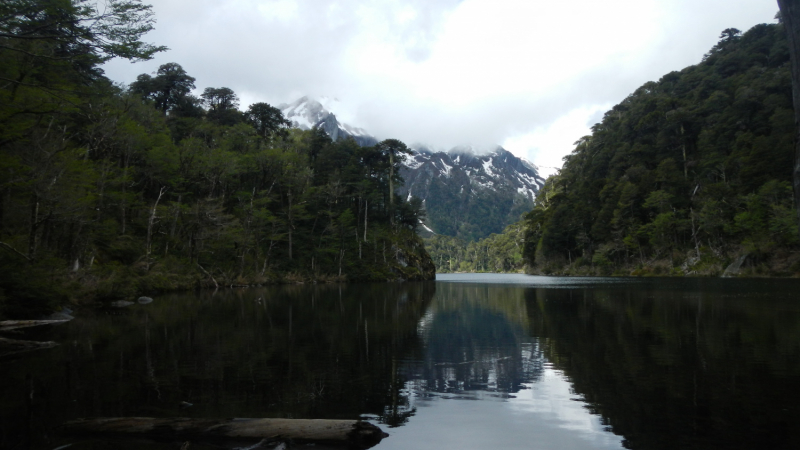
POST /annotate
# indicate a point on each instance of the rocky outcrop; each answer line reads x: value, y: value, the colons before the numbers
x: 411, y: 260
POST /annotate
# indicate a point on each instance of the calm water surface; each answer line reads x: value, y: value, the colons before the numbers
x: 471, y: 361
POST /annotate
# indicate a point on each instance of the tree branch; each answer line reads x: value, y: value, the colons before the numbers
x: 13, y: 250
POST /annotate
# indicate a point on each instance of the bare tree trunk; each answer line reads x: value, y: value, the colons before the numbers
x: 3, y: 196
x: 790, y: 16
x: 358, y: 241
x: 15, y: 251
x: 123, y: 204
x: 13, y: 346
x: 101, y: 191
x: 289, y: 216
x: 350, y: 433
x: 290, y: 242
x: 694, y: 233
x: 266, y: 258
x: 8, y: 325
x: 685, y: 162
x: 150, y: 222
x: 216, y: 285
x: 34, y: 226
x: 391, y: 188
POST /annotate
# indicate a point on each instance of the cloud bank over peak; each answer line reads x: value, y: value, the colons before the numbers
x: 529, y: 75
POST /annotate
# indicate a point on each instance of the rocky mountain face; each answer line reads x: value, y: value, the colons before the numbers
x: 306, y: 113
x: 467, y: 192
x: 471, y: 193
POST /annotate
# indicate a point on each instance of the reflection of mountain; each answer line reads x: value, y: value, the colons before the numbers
x: 673, y: 370
x: 476, y: 343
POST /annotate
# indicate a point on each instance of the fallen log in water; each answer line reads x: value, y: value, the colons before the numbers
x: 352, y: 433
x: 14, y: 346
x: 8, y: 325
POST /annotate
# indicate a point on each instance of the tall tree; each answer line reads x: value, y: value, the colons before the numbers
x: 78, y: 28
x: 168, y: 89
x: 267, y: 120
x: 790, y: 16
x: 222, y: 105
x: 396, y: 151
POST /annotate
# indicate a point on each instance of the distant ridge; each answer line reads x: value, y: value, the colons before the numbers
x: 471, y: 194
x: 467, y: 191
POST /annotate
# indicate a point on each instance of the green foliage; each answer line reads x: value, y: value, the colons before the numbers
x: 699, y: 161
x: 496, y: 253
x: 267, y: 120
x: 473, y: 215
x: 115, y: 193
x: 168, y: 89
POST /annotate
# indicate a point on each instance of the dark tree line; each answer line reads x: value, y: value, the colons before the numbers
x: 790, y: 16
x: 106, y: 192
x: 495, y: 253
x: 689, y: 171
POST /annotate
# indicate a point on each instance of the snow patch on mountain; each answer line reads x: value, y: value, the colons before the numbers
x: 487, y: 167
x: 306, y: 113
x: 460, y: 188
x: 465, y: 182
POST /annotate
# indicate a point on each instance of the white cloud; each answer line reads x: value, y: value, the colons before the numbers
x: 444, y: 72
x: 547, y: 145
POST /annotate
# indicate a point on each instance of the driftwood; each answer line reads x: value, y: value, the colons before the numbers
x: 8, y: 325
x: 352, y: 433
x: 14, y: 346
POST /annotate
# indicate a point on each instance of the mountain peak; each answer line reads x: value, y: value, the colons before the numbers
x: 470, y: 192
x: 307, y: 113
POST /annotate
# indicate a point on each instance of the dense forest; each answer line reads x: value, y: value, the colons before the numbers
x: 110, y: 191
x: 495, y: 253
x: 684, y: 176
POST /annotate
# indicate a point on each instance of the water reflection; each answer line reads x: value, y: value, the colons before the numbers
x: 292, y: 351
x: 553, y: 400
x: 484, y: 380
x: 690, y: 364
x: 473, y: 362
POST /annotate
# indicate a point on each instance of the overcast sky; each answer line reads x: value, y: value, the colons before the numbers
x: 530, y: 75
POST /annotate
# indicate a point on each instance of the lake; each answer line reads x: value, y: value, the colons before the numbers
x: 470, y: 361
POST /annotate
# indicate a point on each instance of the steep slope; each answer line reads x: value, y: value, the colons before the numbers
x: 470, y: 194
x: 685, y: 175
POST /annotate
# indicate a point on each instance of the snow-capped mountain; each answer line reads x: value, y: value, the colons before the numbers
x: 493, y: 169
x: 471, y: 192
x: 467, y: 192
x: 306, y: 113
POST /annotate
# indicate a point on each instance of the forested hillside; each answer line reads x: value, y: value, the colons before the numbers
x: 684, y: 176
x: 495, y: 253
x: 107, y: 191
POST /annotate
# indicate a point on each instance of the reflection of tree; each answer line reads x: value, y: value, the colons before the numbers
x: 670, y: 369
x: 323, y: 351
x: 399, y: 409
